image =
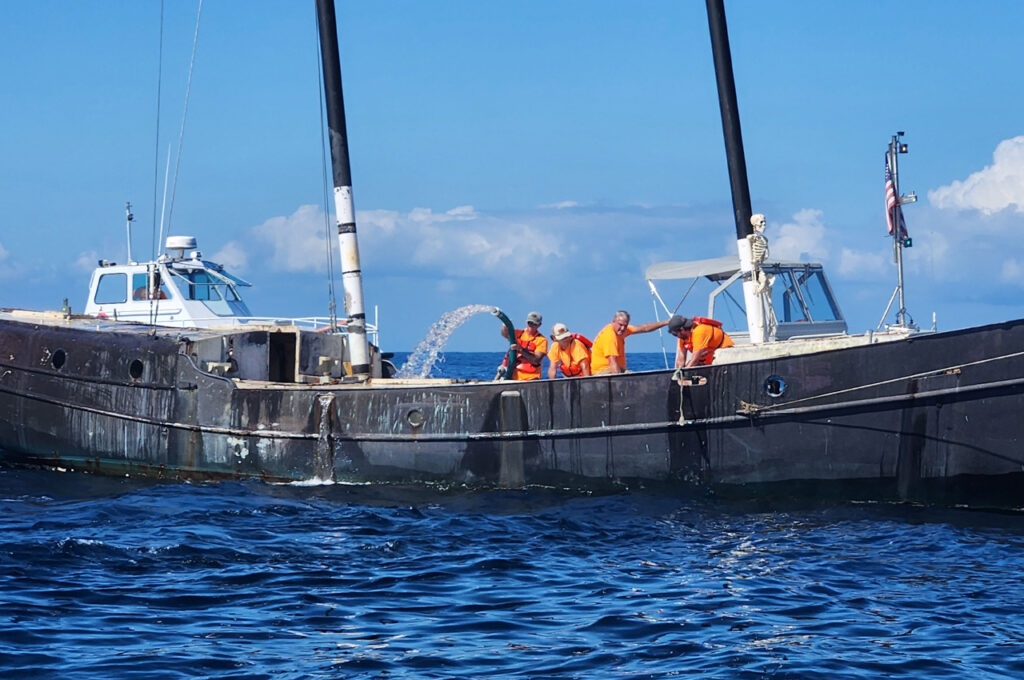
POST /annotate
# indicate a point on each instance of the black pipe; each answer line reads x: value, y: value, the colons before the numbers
x: 730, y: 118
x: 332, y: 91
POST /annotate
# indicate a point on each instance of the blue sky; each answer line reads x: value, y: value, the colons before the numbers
x: 529, y: 155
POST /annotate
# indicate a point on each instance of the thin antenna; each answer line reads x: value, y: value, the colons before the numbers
x: 128, y: 219
x: 184, y: 113
x: 156, y: 141
x: 163, y: 206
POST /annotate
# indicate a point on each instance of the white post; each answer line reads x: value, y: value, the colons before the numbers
x: 751, y: 298
x: 351, y: 275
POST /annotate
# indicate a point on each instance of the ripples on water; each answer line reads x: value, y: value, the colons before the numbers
x: 108, y: 578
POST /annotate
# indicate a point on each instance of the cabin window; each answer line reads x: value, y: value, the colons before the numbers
x: 199, y: 285
x: 111, y: 289
x: 785, y: 299
x: 800, y: 295
x: 140, y: 288
x: 816, y: 296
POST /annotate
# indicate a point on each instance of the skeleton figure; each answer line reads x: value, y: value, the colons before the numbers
x: 758, y: 252
x: 758, y: 242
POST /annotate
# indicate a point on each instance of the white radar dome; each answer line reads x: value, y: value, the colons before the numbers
x: 180, y: 243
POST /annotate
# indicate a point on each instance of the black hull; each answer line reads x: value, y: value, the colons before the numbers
x: 932, y: 418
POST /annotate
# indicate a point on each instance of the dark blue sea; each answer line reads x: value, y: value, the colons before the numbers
x: 119, y: 578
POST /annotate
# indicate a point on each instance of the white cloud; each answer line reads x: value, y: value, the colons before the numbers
x: 561, y: 205
x: 232, y: 256
x: 458, y: 242
x: 3, y: 253
x: 86, y: 261
x: 933, y: 253
x: 1012, y: 272
x: 427, y: 216
x: 477, y: 244
x: 383, y: 221
x: 860, y: 264
x: 803, y: 238
x: 995, y: 188
x: 297, y: 242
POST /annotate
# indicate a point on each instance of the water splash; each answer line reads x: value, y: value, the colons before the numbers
x: 323, y: 459
x: 423, y: 358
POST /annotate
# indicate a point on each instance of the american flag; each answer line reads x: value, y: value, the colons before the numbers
x: 893, y: 210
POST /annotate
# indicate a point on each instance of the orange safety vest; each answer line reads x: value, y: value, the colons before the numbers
x: 584, y: 339
x: 526, y: 366
x: 571, y: 371
x: 698, y: 321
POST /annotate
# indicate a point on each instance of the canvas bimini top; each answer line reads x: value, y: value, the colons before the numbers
x: 802, y: 301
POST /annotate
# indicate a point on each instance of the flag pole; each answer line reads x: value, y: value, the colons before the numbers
x: 894, y: 206
x: 901, y: 314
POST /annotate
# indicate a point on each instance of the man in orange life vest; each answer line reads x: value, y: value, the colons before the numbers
x: 608, y: 355
x: 568, y: 352
x: 699, y: 336
x: 532, y: 348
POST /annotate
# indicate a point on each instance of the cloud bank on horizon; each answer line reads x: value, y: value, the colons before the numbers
x: 562, y: 254
x: 466, y: 242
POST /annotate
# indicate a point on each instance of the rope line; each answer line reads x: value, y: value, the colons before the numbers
x: 156, y: 142
x: 332, y: 305
x: 752, y: 409
x: 184, y: 114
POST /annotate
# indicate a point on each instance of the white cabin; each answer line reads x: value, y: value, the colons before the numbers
x: 178, y: 289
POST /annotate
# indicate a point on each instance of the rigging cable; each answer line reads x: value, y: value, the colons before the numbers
x: 156, y: 150
x: 332, y: 307
x: 184, y: 115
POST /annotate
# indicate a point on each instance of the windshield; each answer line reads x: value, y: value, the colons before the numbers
x: 198, y: 284
x: 800, y: 295
x: 214, y: 291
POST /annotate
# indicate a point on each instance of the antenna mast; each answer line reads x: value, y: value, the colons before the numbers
x: 894, y: 203
x: 128, y: 219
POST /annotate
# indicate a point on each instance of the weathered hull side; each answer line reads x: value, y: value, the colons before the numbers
x: 935, y: 417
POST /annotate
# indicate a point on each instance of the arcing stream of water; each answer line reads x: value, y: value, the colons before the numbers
x: 423, y: 358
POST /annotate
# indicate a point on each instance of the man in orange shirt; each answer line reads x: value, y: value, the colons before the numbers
x: 699, y: 336
x: 532, y: 348
x: 608, y: 355
x: 567, y: 353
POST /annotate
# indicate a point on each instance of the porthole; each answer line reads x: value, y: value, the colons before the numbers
x: 415, y: 417
x: 774, y: 386
x: 135, y: 369
x: 58, y: 358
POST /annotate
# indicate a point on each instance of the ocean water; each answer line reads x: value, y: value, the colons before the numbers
x: 484, y: 365
x: 120, y: 578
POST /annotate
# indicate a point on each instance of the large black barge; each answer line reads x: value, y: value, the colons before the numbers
x: 927, y: 417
